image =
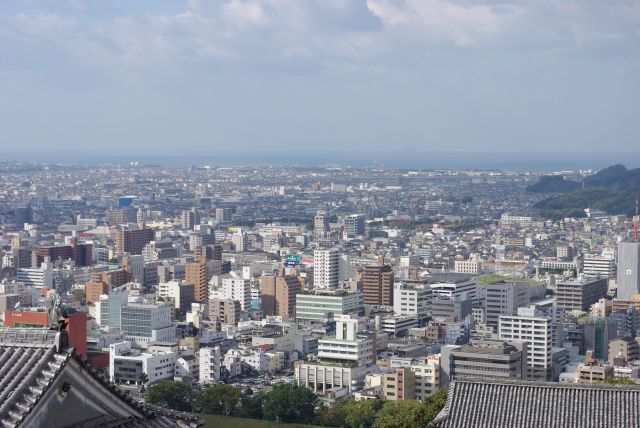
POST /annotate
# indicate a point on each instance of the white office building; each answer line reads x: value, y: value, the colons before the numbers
x: 413, y: 300
x: 127, y: 365
x: 604, y: 267
x: 531, y: 327
x: 239, y: 289
x: 326, y: 268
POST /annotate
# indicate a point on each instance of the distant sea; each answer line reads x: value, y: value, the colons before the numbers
x: 401, y: 158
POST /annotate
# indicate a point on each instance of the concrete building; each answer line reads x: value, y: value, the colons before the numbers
x: 226, y: 311
x: 196, y: 274
x: 132, y: 240
x: 399, y: 384
x: 623, y: 350
x: 472, y: 267
x: 278, y: 294
x: 580, y: 294
x: 348, y: 346
x: 485, y: 359
x: 427, y: 378
x: 326, y: 267
x: 455, y: 308
x: 209, y: 360
x: 377, y: 284
x: 604, y: 267
x: 127, y: 365
x: 237, y: 289
x: 179, y: 292
x: 354, y: 226
x: 628, y: 269
x: 529, y: 326
x: 414, y: 300
x: 41, y: 277
x: 323, y: 305
x: 504, y: 299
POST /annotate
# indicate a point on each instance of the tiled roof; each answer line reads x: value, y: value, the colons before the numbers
x: 476, y: 403
x: 30, y: 361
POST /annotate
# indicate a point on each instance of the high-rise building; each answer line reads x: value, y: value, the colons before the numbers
x: 23, y: 215
x: 399, y: 384
x: 132, y: 241
x: 504, y: 299
x: 238, y: 289
x: 223, y: 215
x: 377, y: 284
x: 196, y: 274
x: 81, y: 254
x: 321, y: 224
x: 226, y: 311
x: 326, y: 268
x: 529, y: 326
x: 628, y: 269
x: 278, y: 294
x: 354, y: 226
x: 94, y: 289
x: 190, y: 218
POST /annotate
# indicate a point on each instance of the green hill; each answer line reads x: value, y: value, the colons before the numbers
x: 553, y: 184
x: 573, y: 204
x: 616, y: 177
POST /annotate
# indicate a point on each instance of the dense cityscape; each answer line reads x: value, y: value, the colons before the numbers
x: 362, y: 295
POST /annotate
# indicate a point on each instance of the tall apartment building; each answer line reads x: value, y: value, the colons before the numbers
x: 209, y: 365
x: 427, y: 378
x: 580, y: 294
x: 81, y: 254
x: 189, y: 218
x: 180, y: 293
x: 377, y: 284
x: 223, y: 215
x: 529, y: 326
x: 93, y: 291
x: 565, y: 252
x: 321, y: 224
x: 37, y: 277
x: 237, y: 289
x: 504, y: 299
x: 354, y: 226
x: 323, y: 305
x: 628, y: 269
x: 226, y: 311
x: 604, y: 267
x: 132, y: 241
x: 196, y: 274
x: 278, y: 294
x: 326, y: 268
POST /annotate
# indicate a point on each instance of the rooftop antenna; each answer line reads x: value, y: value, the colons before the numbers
x: 636, y: 220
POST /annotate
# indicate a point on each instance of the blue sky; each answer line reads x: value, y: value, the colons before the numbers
x: 253, y: 76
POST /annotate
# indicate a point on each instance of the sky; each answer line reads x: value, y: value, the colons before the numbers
x: 242, y: 78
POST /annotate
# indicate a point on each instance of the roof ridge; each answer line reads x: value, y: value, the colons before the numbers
x: 546, y: 384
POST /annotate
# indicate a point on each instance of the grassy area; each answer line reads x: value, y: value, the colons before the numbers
x: 494, y: 278
x: 214, y: 421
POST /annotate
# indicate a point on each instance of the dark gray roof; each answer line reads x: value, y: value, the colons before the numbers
x: 30, y: 361
x: 475, y: 403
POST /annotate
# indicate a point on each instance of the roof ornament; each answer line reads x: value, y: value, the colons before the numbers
x: 57, y: 315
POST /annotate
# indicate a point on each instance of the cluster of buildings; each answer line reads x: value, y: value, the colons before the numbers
x: 354, y: 283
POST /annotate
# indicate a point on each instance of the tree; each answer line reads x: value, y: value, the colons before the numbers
x: 402, y: 414
x: 219, y: 399
x: 290, y: 403
x: 330, y: 417
x: 251, y: 406
x: 174, y: 395
x: 620, y: 381
x: 142, y: 380
x: 359, y: 414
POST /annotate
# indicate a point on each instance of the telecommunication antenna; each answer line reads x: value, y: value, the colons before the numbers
x: 636, y: 220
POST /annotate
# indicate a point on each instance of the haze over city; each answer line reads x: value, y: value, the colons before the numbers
x: 266, y: 78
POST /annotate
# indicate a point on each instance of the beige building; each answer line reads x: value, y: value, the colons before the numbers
x: 472, y: 267
x: 226, y: 311
x: 623, y: 349
x: 427, y: 378
x: 278, y: 294
x: 399, y: 384
x: 196, y: 274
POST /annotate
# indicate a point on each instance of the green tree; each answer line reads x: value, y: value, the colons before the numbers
x: 402, y: 414
x: 330, y: 417
x: 219, y: 399
x: 174, y: 395
x: 143, y: 380
x: 620, y: 381
x: 251, y: 406
x: 290, y: 403
x: 359, y: 414
x: 435, y: 403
